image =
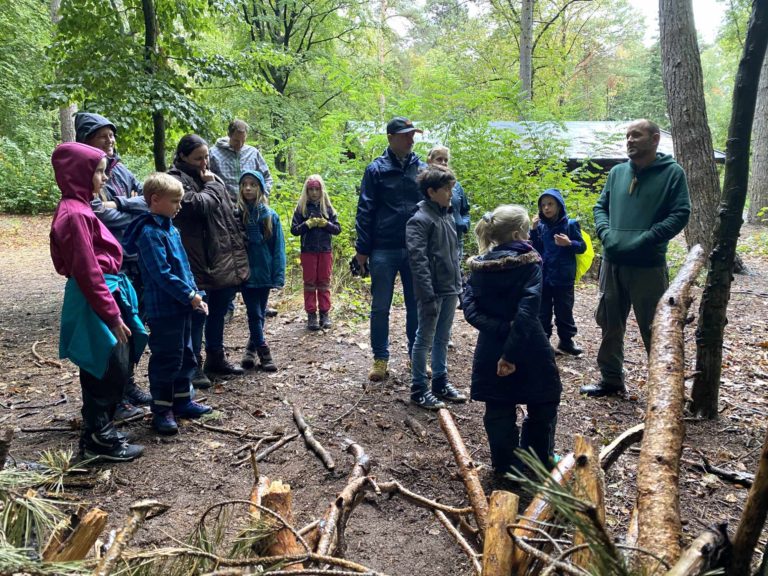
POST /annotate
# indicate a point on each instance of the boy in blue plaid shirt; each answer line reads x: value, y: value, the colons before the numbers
x: 170, y: 299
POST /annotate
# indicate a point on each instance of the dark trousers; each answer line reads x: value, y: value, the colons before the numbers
x: 537, y: 435
x: 213, y: 324
x: 172, y: 363
x: 558, y: 299
x: 256, y: 307
x: 101, y: 395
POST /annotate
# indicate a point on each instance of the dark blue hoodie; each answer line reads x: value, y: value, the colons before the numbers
x: 559, y: 261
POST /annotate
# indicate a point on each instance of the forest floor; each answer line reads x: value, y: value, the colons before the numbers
x: 325, y: 373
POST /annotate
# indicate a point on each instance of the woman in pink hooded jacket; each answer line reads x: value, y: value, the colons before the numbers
x: 100, y: 329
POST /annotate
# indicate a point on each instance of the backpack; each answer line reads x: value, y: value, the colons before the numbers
x: 584, y: 260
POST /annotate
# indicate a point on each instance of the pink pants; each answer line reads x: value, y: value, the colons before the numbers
x: 316, y: 268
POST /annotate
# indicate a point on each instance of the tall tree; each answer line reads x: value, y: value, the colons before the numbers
x: 692, y: 139
x: 758, y: 183
x: 717, y: 291
x: 66, y: 111
x: 526, y: 49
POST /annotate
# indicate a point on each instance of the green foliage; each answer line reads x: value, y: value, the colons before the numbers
x: 26, y: 180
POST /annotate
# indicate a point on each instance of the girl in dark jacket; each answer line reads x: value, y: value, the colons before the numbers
x: 215, y: 244
x: 315, y: 221
x: 514, y: 363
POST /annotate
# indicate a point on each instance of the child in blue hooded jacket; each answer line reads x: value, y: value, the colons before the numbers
x: 558, y: 239
x: 266, y: 259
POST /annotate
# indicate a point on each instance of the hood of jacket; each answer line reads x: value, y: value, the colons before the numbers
x: 254, y: 174
x: 558, y: 196
x: 74, y: 164
x: 132, y: 233
x: 662, y: 161
x: 505, y: 257
x: 86, y: 123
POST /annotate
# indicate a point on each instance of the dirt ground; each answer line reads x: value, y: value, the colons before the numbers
x: 325, y: 374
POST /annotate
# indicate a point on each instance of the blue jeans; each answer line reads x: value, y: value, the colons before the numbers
x: 384, y: 266
x: 434, y: 331
x: 172, y: 363
x: 256, y: 306
x: 218, y: 301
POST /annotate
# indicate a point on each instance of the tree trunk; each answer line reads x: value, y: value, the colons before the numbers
x: 758, y: 182
x: 658, y: 469
x: 150, y: 51
x: 66, y: 113
x: 498, y: 548
x: 526, y: 50
x: 717, y: 291
x: 684, y: 88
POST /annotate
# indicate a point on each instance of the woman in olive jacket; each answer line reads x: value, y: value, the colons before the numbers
x: 215, y: 244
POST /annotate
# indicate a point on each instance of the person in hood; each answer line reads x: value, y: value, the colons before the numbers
x: 644, y: 204
x: 231, y: 156
x: 118, y: 203
x: 266, y: 258
x: 558, y: 239
x: 514, y: 362
x: 433, y: 254
x: 100, y: 329
x: 172, y: 297
x: 388, y: 198
x: 215, y: 244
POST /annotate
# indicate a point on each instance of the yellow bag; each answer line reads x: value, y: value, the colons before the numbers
x: 584, y: 260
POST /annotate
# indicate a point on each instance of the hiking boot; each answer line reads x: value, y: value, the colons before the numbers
x: 199, y: 379
x: 135, y: 395
x: 190, y: 410
x: 378, y: 371
x: 265, y: 359
x: 249, y: 358
x: 270, y: 312
x: 568, y: 347
x: 216, y: 363
x: 165, y: 423
x: 115, y: 452
x: 446, y: 391
x: 312, y: 321
x: 325, y: 320
x: 425, y: 399
x: 127, y: 410
x: 601, y: 388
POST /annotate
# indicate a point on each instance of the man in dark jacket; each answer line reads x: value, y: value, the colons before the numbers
x: 644, y: 205
x: 388, y: 198
x: 121, y: 203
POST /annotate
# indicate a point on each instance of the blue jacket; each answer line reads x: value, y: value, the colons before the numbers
x: 314, y: 240
x: 559, y: 261
x: 460, y: 210
x: 502, y: 300
x: 266, y: 257
x: 169, y: 284
x: 388, y: 198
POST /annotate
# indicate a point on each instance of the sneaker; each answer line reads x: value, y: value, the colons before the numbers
x: 119, y: 452
x: 451, y: 345
x: 270, y: 312
x: 601, y: 388
x: 136, y: 396
x: 569, y: 348
x: 448, y: 392
x: 426, y: 400
x: 191, y: 410
x: 313, y: 323
x: 165, y: 424
x: 378, y: 371
x: 127, y: 410
x: 199, y: 379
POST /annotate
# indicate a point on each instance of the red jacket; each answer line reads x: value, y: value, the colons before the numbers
x: 81, y: 246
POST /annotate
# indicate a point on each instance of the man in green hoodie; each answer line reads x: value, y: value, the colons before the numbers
x: 643, y: 206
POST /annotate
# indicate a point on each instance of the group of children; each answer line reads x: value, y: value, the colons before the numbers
x: 520, y: 277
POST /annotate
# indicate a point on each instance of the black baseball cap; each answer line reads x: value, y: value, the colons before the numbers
x: 400, y: 125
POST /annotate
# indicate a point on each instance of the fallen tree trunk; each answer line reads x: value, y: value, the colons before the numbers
x: 498, y: 548
x: 610, y: 453
x: 658, y: 471
x: 467, y: 468
x: 75, y: 544
x: 704, y: 554
x: 589, y: 486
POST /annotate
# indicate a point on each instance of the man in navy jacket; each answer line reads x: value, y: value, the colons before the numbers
x: 388, y: 198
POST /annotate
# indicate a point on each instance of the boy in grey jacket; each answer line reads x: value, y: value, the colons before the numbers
x: 433, y: 255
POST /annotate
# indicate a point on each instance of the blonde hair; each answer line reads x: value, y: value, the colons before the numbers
x: 506, y: 223
x: 161, y: 184
x: 326, y: 208
x: 261, y: 198
x: 435, y: 150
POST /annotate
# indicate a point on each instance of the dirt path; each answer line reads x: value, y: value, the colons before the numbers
x: 324, y: 373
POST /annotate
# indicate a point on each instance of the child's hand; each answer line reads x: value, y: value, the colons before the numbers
x: 535, y: 221
x: 121, y: 332
x: 321, y: 222
x: 199, y: 305
x: 504, y: 368
x: 311, y: 223
x: 562, y: 240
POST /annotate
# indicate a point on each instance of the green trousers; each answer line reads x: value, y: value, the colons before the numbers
x: 622, y: 287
